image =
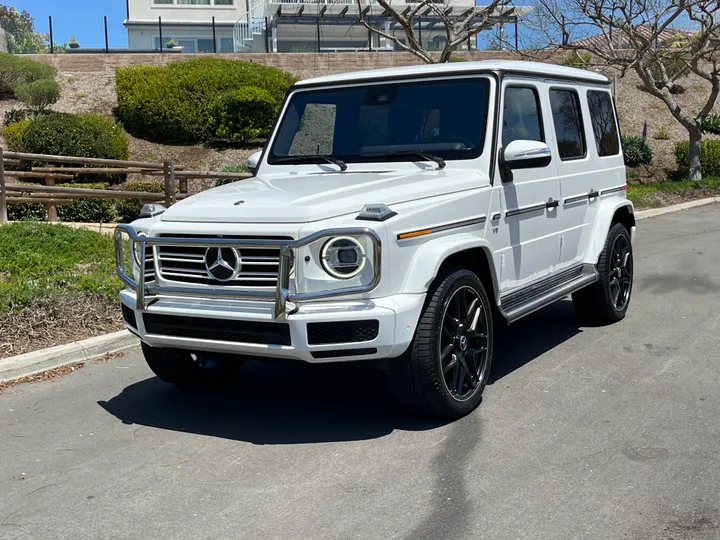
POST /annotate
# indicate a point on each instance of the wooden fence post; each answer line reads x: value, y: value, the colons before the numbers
x: 3, y: 196
x: 52, y: 215
x: 169, y: 173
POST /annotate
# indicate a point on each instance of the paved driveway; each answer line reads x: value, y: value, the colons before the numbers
x: 593, y: 433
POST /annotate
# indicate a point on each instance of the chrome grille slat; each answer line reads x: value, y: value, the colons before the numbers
x: 186, y: 264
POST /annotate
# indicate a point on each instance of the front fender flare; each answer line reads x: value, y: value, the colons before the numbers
x: 430, y: 256
x: 603, y: 221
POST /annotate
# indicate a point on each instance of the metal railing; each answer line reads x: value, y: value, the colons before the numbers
x: 280, y: 297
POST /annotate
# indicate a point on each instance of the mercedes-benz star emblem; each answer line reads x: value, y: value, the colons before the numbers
x: 222, y: 264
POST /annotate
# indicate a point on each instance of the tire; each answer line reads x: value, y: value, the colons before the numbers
x: 425, y: 380
x: 184, y: 369
x: 607, y: 300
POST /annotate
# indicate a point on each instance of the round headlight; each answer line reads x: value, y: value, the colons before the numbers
x: 136, y: 248
x: 343, y: 257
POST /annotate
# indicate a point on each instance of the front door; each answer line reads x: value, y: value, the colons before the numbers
x: 524, y: 229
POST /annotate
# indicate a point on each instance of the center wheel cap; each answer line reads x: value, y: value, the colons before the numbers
x: 463, y: 343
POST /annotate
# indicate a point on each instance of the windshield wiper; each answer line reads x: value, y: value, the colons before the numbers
x: 426, y: 157
x: 300, y: 159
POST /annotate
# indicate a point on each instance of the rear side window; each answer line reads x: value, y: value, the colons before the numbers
x: 568, y: 123
x: 602, y: 115
x: 521, y: 116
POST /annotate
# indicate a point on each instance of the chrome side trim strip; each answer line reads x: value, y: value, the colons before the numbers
x: 576, y: 198
x: 445, y: 227
x: 525, y: 210
x: 496, y: 216
x: 613, y: 190
x: 280, y: 296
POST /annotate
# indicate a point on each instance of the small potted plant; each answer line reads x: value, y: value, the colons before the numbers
x: 73, y: 43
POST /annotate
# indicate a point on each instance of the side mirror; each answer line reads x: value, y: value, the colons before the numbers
x: 253, y: 161
x: 526, y: 154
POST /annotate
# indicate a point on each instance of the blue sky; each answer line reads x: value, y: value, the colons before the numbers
x: 81, y: 18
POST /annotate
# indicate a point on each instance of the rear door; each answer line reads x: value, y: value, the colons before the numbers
x: 524, y: 229
x: 589, y: 160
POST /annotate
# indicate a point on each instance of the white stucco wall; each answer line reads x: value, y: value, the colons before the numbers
x: 147, y: 10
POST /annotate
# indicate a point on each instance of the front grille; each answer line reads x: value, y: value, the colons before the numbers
x: 149, y: 264
x: 187, y: 264
x: 265, y: 333
x: 342, y: 332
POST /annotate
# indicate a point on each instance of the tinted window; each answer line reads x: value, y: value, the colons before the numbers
x: 366, y: 123
x: 602, y: 116
x: 521, y: 116
x: 567, y: 119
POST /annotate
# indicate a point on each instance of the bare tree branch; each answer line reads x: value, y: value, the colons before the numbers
x: 646, y: 37
x: 457, y: 28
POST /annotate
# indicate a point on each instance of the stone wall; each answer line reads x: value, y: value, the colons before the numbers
x: 302, y: 64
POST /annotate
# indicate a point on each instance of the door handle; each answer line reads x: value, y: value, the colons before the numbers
x: 552, y: 204
x: 593, y: 194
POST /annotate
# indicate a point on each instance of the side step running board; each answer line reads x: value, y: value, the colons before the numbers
x: 540, y: 299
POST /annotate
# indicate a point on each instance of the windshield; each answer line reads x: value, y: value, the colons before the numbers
x: 387, y: 122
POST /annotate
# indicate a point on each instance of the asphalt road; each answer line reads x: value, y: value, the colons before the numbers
x: 593, y: 433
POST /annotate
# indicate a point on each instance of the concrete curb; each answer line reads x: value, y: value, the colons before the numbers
x: 645, y: 214
x: 30, y: 363
x: 27, y: 364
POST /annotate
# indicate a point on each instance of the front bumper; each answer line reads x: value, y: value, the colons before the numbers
x: 396, y: 318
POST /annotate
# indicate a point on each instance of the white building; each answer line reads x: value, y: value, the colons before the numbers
x: 275, y: 25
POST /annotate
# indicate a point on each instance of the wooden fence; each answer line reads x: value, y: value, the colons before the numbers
x: 51, y: 195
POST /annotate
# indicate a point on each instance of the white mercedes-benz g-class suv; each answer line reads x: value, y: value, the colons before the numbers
x: 398, y: 216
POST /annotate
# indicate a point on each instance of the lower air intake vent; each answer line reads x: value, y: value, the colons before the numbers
x: 342, y: 332
x: 218, y: 329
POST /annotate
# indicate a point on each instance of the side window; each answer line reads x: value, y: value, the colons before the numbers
x: 567, y: 118
x: 602, y: 116
x: 521, y: 115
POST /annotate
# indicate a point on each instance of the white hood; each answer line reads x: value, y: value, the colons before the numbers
x: 302, y: 198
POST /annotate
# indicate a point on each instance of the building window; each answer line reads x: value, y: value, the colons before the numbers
x: 194, y: 2
x: 223, y: 2
x: 227, y: 45
x: 602, y: 115
x: 567, y: 118
x: 163, y: 1
x: 205, y: 45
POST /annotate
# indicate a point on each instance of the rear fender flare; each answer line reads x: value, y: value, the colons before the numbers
x: 606, y: 215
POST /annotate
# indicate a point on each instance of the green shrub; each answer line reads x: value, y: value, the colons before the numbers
x: 129, y: 209
x: 18, y: 115
x: 89, y: 210
x: 234, y: 168
x: 172, y: 103
x: 40, y: 259
x: 242, y: 115
x: 80, y: 210
x: 62, y: 134
x: 26, y: 212
x: 16, y: 70
x: 636, y: 151
x: 711, y: 124
x: 709, y: 157
x: 39, y: 95
x: 578, y: 60
x: 14, y: 134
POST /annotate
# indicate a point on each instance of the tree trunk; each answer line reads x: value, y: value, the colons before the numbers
x: 695, y: 140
